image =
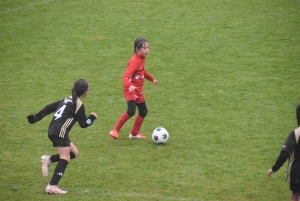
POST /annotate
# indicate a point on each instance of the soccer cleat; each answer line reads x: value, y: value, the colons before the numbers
x: 138, y: 136
x: 53, y: 189
x: 46, y: 163
x: 114, y: 134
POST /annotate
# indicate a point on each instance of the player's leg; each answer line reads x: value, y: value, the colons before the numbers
x: 55, y: 158
x: 64, y: 149
x: 131, y: 108
x: 298, y: 114
x: 135, y: 132
x: 73, y: 151
x: 297, y: 194
x: 47, y: 160
x: 73, y: 154
x: 64, y: 154
x: 294, y: 196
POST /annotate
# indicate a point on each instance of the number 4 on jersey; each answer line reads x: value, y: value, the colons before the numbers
x: 59, y: 112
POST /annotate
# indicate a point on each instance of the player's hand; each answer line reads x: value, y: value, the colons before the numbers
x: 31, y: 119
x: 131, y: 88
x: 155, y: 82
x: 270, y: 173
x: 94, y: 114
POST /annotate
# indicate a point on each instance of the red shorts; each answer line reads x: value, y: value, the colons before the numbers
x: 138, y: 97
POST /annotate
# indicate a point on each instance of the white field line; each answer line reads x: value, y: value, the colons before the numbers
x: 23, y: 7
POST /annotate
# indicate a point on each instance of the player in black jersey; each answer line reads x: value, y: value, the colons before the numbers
x: 291, y: 150
x: 298, y: 114
x: 67, y: 112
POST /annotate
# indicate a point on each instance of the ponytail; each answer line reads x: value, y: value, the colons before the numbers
x: 74, y: 95
x: 80, y: 86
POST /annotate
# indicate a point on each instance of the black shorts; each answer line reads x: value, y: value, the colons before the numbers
x: 295, y: 188
x: 60, y: 142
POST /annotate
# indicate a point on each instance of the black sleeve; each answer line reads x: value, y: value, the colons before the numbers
x: 283, y: 156
x: 82, y: 120
x: 44, y: 112
x: 298, y: 114
x: 286, y: 151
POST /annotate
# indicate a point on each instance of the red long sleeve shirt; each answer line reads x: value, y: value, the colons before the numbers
x: 135, y: 74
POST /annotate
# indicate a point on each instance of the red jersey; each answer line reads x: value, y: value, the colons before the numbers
x: 135, y: 74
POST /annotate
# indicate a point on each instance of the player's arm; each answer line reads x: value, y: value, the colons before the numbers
x: 44, y: 112
x: 283, y: 156
x: 84, y: 121
x: 285, y: 152
x: 150, y: 78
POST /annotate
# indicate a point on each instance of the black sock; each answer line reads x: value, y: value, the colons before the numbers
x: 56, y: 158
x: 59, y: 171
x: 72, y: 155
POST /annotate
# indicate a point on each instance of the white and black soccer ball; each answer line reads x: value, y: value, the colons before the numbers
x: 160, y: 135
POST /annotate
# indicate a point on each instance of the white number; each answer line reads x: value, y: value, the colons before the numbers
x: 59, y: 112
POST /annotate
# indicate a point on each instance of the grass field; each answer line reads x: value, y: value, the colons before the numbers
x: 229, y: 76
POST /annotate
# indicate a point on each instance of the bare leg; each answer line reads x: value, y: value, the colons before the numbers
x: 64, y: 152
x: 73, y: 149
x: 294, y: 196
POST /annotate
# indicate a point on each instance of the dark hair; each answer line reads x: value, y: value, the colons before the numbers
x: 138, y: 43
x: 80, y: 86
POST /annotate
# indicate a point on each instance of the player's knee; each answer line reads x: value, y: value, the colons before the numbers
x: 130, y: 112
x: 143, y: 113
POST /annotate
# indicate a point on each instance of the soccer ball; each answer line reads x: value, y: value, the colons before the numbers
x: 160, y: 135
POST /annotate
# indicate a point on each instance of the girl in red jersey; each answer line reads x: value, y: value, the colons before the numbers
x: 133, y: 79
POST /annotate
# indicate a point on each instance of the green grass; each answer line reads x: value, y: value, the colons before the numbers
x: 229, y: 83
